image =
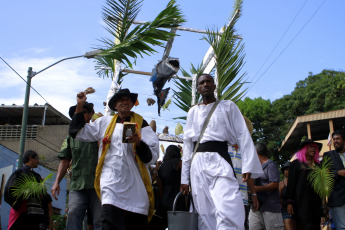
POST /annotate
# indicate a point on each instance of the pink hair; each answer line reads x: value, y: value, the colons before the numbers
x: 300, y: 155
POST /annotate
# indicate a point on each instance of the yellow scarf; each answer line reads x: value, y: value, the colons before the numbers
x: 136, y: 118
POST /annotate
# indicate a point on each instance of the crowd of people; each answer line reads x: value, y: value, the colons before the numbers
x: 234, y: 183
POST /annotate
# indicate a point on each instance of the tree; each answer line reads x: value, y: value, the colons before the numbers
x: 258, y: 111
x: 317, y: 93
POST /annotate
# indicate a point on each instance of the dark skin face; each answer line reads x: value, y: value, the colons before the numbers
x: 311, y: 151
x: 338, y: 143
x: 206, y: 88
x: 87, y: 116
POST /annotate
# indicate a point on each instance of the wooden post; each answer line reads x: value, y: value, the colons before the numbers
x: 309, y: 131
x: 331, y: 130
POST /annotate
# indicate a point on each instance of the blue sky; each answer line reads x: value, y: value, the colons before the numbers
x: 38, y: 33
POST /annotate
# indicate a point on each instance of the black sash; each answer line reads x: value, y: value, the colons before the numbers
x: 219, y: 147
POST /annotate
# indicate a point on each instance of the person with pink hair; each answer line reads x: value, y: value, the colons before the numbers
x: 303, y: 203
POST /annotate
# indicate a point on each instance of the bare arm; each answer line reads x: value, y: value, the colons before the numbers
x: 341, y: 172
x: 268, y: 187
x: 251, y: 187
x: 63, y: 166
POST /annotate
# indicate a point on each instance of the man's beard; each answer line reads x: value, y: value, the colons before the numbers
x: 339, y: 149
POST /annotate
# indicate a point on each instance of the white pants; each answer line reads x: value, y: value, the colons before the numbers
x: 216, y: 193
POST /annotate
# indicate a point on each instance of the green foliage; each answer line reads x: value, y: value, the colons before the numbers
x: 59, y: 221
x: 271, y: 120
x: 26, y: 186
x: 119, y: 16
x: 229, y: 55
x: 321, y: 178
x: 183, y: 96
x: 258, y: 112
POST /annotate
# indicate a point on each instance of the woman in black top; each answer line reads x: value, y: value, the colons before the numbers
x: 303, y: 203
x: 169, y: 177
x: 289, y: 221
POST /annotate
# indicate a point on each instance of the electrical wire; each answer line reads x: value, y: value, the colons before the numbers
x: 47, y: 146
x: 287, y: 29
x: 23, y: 79
x: 48, y: 141
x: 289, y: 43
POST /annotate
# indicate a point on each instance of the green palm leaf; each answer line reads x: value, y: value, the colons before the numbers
x: 26, y: 186
x: 321, y: 178
x: 119, y: 16
x: 229, y: 53
x: 183, y: 94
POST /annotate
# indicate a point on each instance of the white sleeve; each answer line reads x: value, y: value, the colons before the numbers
x: 93, y: 131
x: 240, y: 134
x: 187, y: 150
x: 151, y: 139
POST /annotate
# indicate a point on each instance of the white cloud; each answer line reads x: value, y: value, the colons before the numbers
x: 60, y: 84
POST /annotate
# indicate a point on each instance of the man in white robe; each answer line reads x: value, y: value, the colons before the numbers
x: 125, y: 200
x: 214, y: 187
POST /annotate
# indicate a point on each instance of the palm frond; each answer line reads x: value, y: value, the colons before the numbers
x: 321, y: 178
x: 119, y: 17
x: 183, y: 94
x: 27, y: 186
x: 229, y: 54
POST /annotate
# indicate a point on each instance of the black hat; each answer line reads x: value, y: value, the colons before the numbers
x: 309, y: 141
x: 121, y: 93
x: 88, y: 106
x: 286, y: 165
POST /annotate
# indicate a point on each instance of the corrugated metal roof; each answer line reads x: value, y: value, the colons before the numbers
x: 12, y: 115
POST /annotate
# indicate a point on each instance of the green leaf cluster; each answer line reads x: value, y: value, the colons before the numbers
x: 321, y: 178
x: 27, y: 186
x: 271, y: 120
x: 119, y: 17
x: 229, y: 55
x: 183, y: 94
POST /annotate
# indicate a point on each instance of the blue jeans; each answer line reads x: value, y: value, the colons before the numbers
x: 78, y: 202
x: 338, y: 214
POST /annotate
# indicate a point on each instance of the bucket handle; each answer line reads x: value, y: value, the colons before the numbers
x: 178, y: 196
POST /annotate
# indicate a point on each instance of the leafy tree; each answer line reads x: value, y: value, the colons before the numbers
x: 258, y: 112
x: 317, y: 93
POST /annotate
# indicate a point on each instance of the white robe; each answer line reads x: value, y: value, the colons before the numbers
x: 215, y: 190
x: 121, y: 183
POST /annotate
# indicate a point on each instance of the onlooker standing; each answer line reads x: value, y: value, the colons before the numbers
x: 337, y: 199
x: 82, y: 196
x: 169, y: 181
x: 21, y: 214
x: 236, y: 159
x: 267, y: 188
x: 303, y: 203
x: 289, y: 221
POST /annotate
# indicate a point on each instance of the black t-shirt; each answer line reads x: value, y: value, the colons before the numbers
x: 171, y: 181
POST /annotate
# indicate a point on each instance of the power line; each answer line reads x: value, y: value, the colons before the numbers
x: 289, y: 43
x: 46, y: 146
x: 48, y: 141
x: 287, y: 29
x: 23, y: 79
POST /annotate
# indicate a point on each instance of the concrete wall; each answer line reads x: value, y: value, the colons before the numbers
x: 47, y: 144
x: 7, y: 166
